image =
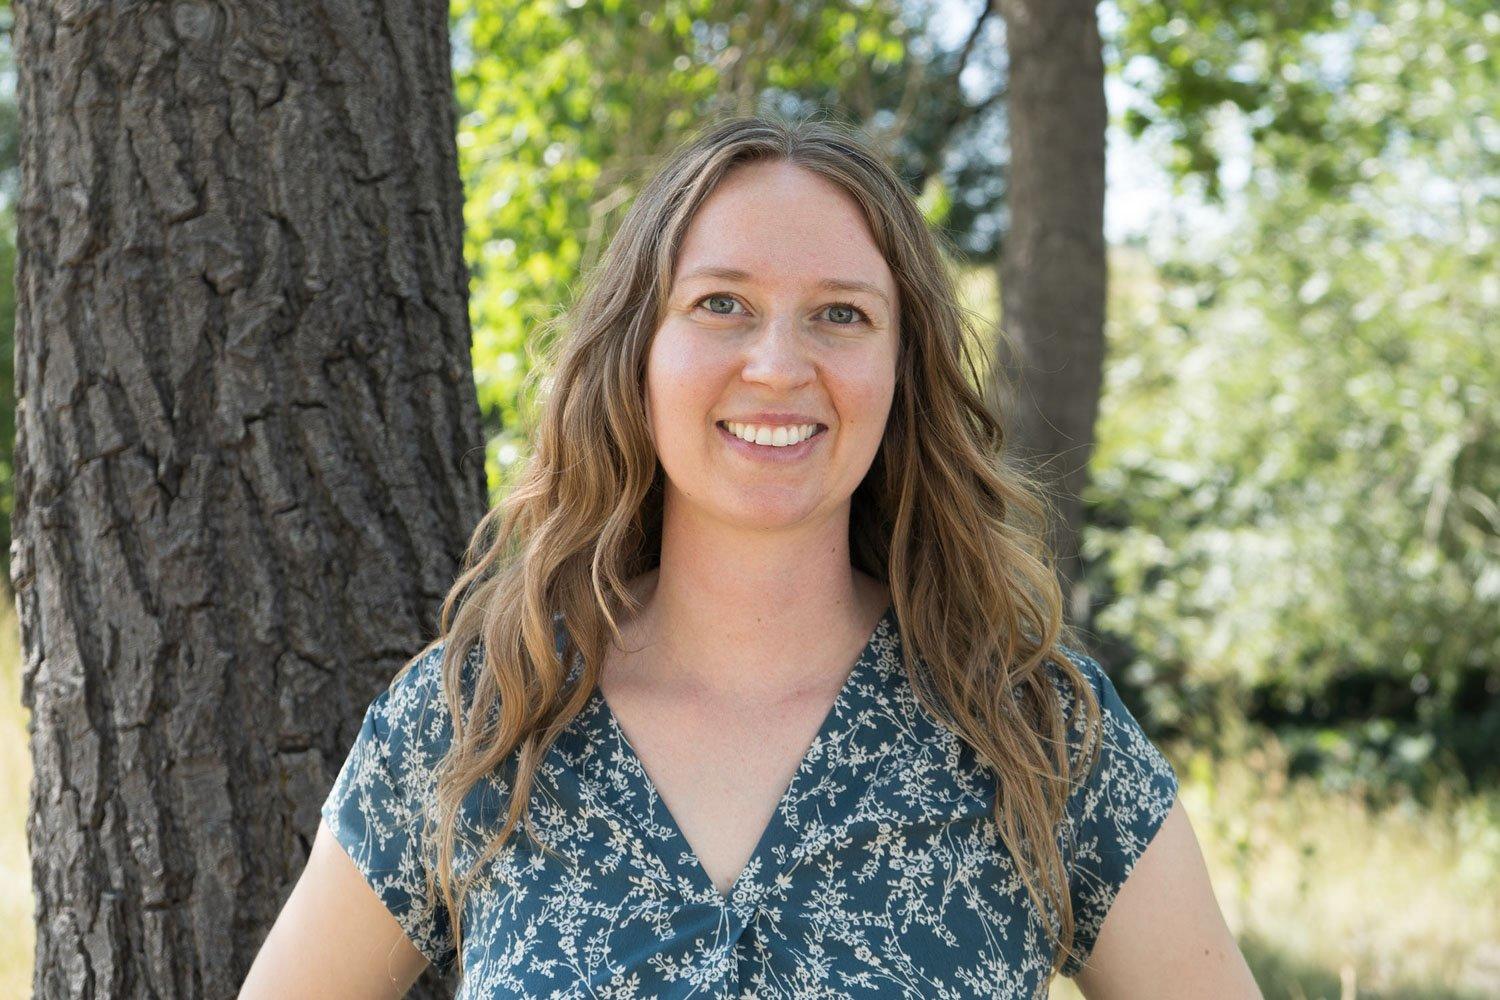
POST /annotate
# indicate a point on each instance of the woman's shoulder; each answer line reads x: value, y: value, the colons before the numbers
x: 383, y: 796
x: 1124, y: 738
x: 412, y: 712
x: 1118, y: 803
x: 1066, y: 691
x: 422, y: 677
x: 414, y: 706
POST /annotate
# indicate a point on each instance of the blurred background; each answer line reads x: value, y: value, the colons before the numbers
x: 1293, y: 516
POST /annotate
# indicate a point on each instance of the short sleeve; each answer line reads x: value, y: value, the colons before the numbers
x: 1114, y: 813
x: 378, y: 802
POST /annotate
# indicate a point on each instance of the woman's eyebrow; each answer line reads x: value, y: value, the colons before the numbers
x: 827, y: 284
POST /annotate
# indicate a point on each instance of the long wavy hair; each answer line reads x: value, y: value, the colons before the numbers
x: 956, y: 532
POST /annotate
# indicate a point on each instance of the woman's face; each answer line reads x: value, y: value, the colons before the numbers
x: 782, y: 313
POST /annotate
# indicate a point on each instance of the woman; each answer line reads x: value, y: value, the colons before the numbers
x: 765, y: 659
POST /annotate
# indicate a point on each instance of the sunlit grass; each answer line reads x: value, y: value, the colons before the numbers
x: 15, y: 783
x: 1327, y: 898
x: 1331, y: 899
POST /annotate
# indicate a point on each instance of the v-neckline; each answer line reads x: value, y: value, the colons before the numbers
x: 778, y: 826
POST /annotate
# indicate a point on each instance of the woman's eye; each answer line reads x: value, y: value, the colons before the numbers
x: 718, y: 298
x: 840, y: 313
x: 840, y: 308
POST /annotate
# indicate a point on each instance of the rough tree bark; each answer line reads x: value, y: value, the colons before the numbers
x: 1052, y: 264
x: 248, y: 451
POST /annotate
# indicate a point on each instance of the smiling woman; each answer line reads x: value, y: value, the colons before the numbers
x: 763, y: 653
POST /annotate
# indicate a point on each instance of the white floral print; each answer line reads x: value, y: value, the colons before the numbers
x: 881, y: 873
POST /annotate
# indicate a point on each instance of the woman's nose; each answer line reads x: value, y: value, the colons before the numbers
x: 778, y: 353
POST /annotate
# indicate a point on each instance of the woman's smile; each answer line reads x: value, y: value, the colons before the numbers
x: 782, y: 454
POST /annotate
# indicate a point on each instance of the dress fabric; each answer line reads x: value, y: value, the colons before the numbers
x: 881, y: 873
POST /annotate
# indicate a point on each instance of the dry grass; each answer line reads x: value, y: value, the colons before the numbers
x: 15, y: 784
x: 1330, y: 899
x: 1334, y: 899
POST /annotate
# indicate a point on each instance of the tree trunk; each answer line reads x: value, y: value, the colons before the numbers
x: 1052, y: 265
x: 248, y: 451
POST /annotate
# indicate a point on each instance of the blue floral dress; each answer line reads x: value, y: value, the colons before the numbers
x: 881, y: 873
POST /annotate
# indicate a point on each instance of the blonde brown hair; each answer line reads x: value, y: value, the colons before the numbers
x: 953, y: 530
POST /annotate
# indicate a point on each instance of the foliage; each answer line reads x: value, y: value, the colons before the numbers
x: 1195, y: 57
x: 1299, y: 458
x: 1285, y: 68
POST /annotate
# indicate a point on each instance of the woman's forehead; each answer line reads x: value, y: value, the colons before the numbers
x: 781, y: 224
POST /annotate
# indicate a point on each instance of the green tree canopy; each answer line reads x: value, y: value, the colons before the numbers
x: 1300, y: 453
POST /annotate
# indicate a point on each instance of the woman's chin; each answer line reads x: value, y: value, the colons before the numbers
x: 771, y: 512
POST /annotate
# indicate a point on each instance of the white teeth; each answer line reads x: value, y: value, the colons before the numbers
x: 775, y: 437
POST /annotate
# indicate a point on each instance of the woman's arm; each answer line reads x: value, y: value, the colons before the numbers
x: 1164, y: 936
x: 334, y: 937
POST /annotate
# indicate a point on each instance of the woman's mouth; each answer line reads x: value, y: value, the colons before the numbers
x: 772, y: 452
